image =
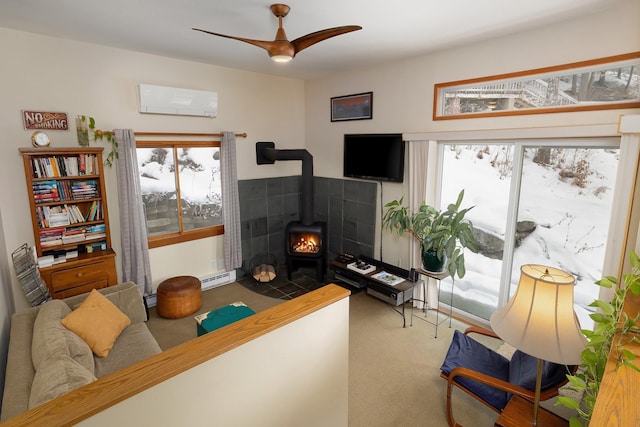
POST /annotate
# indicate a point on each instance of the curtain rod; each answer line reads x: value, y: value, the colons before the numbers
x: 239, y: 135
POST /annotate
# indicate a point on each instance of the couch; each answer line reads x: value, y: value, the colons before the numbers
x: 45, y: 359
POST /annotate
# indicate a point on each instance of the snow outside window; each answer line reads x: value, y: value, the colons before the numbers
x: 181, y: 190
x: 536, y: 202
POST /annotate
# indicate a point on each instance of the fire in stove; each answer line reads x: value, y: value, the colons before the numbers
x: 306, y: 244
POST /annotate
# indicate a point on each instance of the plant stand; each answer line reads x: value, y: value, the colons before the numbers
x: 425, y: 309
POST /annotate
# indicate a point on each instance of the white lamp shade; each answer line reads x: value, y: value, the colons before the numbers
x: 539, y: 319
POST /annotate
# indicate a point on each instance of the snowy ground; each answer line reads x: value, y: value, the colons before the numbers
x: 572, y: 221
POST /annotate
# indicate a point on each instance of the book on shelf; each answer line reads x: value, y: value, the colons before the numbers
x: 35, y: 167
x: 73, y: 238
x: 388, y: 278
x: 94, y: 213
x: 43, y: 185
x: 82, y: 168
x: 73, y: 253
x: 49, y: 168
x: 84, y: 190
x: 51, y: 237
x: 57, y: 219
x: 98, y: 228
x: 45, y: 191
x: 93, y: 236
x: 75, y: 216
x: 56, y: 166
x: 52, y: 216
x: 50, y: 255
x: 87, y: 164
x: 51, y: 243
x: 64, y: 190
x: 45, y: 261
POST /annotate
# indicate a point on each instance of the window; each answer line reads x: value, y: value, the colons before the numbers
x: 536, y: 202
x: 181, y: 190
x: 604, y: 83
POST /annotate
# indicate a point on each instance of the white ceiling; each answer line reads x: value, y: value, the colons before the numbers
x: 391, y: 30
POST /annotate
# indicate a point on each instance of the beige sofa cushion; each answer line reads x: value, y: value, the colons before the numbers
x: 51, y: 339
x: 126, y: 296
x: 19, y: 373
x: 56, y: 377
x: 133, y: 345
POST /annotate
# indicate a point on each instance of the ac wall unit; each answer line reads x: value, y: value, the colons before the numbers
x: 177, y: 101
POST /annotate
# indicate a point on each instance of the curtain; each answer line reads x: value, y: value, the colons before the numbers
x: 418, y: 158
x: 230, y: 202
x: 133, y: 224
x: 623, y: 226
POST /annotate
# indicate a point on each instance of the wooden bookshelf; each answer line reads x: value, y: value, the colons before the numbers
x: 70, y: 219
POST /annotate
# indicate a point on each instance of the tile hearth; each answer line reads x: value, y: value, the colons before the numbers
x: 302, y: 281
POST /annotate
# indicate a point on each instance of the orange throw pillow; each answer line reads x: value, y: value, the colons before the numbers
x: 98, y: 322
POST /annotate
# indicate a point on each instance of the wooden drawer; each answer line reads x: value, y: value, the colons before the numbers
x: 80, y: 276
x: 86, y: 274
x: 80, y: 289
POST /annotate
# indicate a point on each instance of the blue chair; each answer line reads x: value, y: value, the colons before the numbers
x: 492, y: 378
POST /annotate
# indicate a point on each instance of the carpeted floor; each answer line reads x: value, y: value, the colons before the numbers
x: 171, y: 332
x: 393, y: 371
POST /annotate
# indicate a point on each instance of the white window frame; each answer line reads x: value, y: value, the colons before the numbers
x: 625, y: 178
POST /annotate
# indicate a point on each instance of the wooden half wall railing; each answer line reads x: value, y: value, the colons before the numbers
x: 617, y: 402
x: 84, y: 402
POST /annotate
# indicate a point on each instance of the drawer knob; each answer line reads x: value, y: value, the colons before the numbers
x: 79, y: 274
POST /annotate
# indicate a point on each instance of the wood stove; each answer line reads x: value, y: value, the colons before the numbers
x: 305, y: 240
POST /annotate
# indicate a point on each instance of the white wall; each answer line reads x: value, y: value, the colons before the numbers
x: 403, y: 91
x: 294, y: 376
x: 49, y: 74
x: 6, y: 306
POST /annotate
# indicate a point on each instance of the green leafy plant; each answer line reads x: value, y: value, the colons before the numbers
x: 100, y: 134
x: 609, y: 321
x: 447, y: 232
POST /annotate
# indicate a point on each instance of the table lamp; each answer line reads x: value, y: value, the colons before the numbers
x: 539, y: 320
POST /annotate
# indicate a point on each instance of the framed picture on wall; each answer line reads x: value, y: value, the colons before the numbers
x: 352, y: 107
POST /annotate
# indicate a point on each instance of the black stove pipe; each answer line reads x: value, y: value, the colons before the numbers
x: 266, y: 153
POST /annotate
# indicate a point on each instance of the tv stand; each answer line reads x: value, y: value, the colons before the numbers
x: 396, y: 295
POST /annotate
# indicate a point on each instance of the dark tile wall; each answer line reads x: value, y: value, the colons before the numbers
x: 268, y: 205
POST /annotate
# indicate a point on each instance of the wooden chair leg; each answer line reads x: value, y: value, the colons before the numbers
x: 450, y: 419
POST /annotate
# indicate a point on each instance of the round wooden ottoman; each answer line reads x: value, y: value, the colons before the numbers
x: 178, y: 297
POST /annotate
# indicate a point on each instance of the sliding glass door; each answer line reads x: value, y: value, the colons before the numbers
x: 545, y: 202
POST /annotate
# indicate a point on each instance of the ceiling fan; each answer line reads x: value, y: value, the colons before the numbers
x: 283, y: 50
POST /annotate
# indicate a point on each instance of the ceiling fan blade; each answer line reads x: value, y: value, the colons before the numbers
x: 318, y: 36
x: 267, y: 45
x: 281, y: 49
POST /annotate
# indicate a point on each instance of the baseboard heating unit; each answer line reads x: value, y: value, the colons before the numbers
x: 207, y: 282
x: 217, y: 279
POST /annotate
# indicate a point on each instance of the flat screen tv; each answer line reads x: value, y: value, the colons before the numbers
x: 378, y: 157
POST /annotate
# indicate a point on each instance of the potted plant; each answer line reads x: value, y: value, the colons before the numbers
x: 443, y: 235
x: 86, y: 131
x: 609, y: 322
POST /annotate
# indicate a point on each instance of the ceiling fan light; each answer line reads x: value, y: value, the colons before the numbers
x: 281, y: 58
